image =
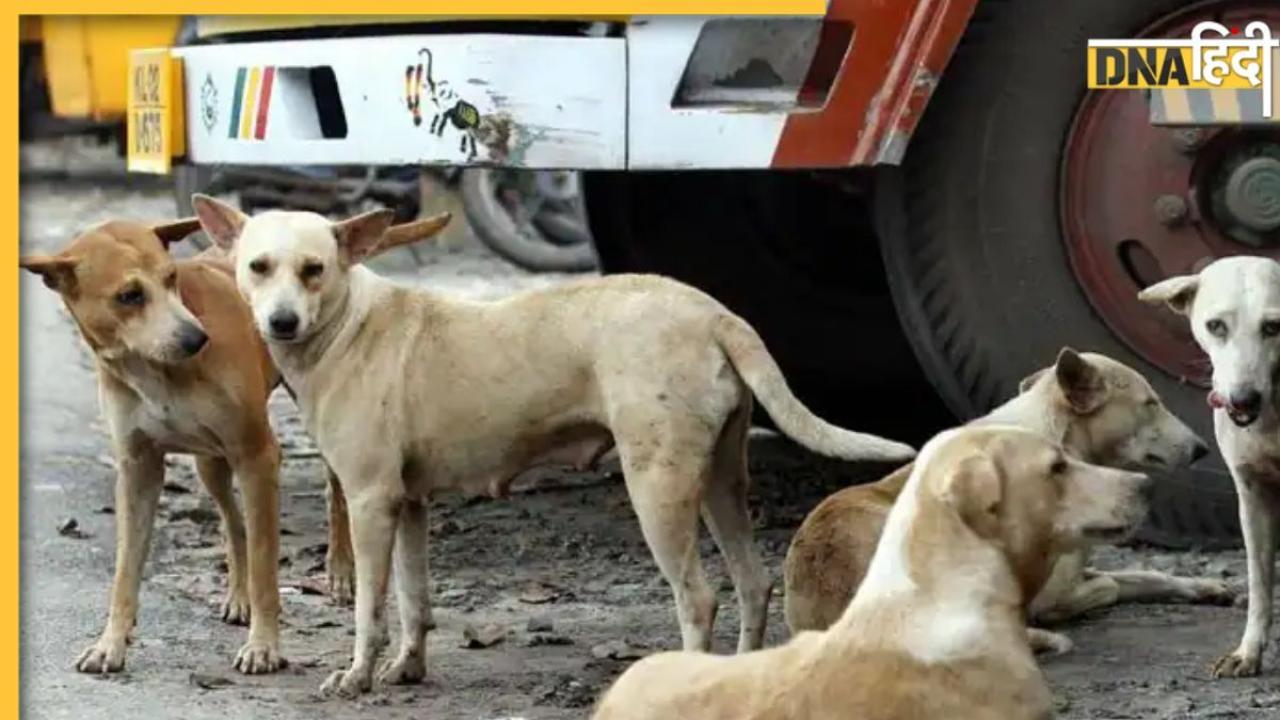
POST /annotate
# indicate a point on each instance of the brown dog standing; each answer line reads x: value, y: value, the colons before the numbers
x: 181, y: 369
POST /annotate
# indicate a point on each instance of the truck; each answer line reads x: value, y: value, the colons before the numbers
x: 73, y: 70
x: 917, y: 203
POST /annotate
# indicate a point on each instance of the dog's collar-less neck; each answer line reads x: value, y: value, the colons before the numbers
x: 339, y: 321
x: 902, y: 570
x: 1030, y: 411
x: 984, y: 587
x: 1035, y: 414
x: 136, y: 372
x: 955, y: 618
x: 296, y: 357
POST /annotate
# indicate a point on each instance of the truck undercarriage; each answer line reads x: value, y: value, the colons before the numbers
x: 918, y: 204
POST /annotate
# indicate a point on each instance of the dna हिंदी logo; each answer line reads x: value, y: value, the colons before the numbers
x: 1215, y: 57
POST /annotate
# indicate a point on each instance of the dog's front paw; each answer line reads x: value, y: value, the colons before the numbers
x: 103, y: 656
x: 259, y: 658
x: 235, y: 609
x: 1238, y: 664
x: 342, y: 579
x: 1044, y: 642
x: 1213, y: 592
x: 407, y: 669
x: 349, y: 684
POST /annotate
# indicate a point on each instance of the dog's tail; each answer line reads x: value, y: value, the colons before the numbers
x: 761, y: 373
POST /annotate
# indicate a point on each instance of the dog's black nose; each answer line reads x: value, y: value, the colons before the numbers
x: 1246, y: 402
x: 1199, y: 452
x: 284, y: 323
x: 191, y: 339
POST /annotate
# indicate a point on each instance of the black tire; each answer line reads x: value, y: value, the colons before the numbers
x: 527, y: 247
x: 34, y: 105
x: 564, y: 227
x: 973, y: 245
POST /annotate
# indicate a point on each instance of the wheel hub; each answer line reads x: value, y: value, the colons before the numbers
x: 1251, y: 200
x: 1141, y: 203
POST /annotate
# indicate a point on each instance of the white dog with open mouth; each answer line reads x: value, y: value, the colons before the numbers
x: 1234, y: 308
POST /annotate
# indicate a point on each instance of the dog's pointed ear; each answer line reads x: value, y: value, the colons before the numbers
x: 973, y: 487
x: 410, y: 232
x: 57, y: 272
x: 1031, y: 379
x: 1177, y: 292
x: 221, y: 222
x: 1081, y: 382
x: 172, y: 232
x: 360, y: 236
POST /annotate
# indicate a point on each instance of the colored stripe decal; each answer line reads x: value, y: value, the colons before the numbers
x: 1275, y: 87
x: 236, y: 99
x: 1177, y: 107
x: 264, y: 103
x: 1201, y: 105
x: 1251, y: 105
x: 1158, y: 112
x: 250, y: 95
x: 1226, y: 105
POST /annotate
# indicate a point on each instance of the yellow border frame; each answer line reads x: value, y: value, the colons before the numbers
x: 444, y: 8
x: 10, y: 685
x: 10, y: 571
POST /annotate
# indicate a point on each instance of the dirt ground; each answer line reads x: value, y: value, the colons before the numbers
x: 560, y: 568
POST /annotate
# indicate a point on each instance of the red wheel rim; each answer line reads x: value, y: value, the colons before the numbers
x: 1124, y: 184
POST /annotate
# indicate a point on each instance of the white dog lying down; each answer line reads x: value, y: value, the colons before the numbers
x: 936, y: 629
x: 407, y: 392
x: 1234, y: 308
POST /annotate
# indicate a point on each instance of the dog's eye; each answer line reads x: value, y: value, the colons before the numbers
x: 1216, y: 328
x: 259, y: 266
x: 312, y: 270
x: 1058, y: 467
x: 1271, y: 328
x: 171, y: 280
x: 1152, y: 403
x: 131, y: 297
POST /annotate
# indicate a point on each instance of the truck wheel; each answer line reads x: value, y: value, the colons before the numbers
x: 1029, y: 212
x: 524, y: 241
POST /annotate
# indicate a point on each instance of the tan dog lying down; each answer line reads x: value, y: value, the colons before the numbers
x: 1100, y: 411
x: 936, y: 630
x: 181, y: 369
x: 407, y: 392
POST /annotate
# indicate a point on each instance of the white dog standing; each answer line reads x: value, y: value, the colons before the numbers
x: 407, y: 392
x: 1234, y: 308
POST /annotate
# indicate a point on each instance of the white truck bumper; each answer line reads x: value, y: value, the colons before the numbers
x: 526, y: 101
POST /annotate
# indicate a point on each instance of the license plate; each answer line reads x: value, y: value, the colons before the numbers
x: 155, y: 116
